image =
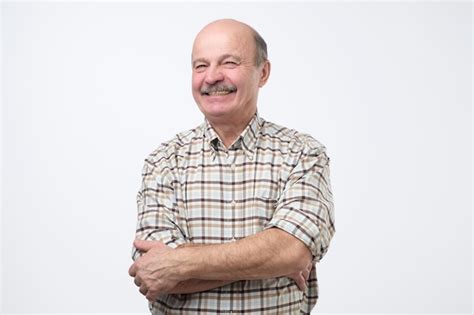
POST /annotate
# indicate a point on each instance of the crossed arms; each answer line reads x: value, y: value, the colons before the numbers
x: 269, y: 254
x: 297, y: 236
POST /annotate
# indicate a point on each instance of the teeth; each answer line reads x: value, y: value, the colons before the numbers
x: 219, y: 93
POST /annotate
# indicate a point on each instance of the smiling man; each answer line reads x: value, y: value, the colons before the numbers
x: 232, y: 215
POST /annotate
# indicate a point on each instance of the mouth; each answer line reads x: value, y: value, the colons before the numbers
x: 218, y: 93
x: 218, y: 90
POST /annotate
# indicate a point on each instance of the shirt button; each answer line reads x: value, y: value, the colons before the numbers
x: 232, y: 203
x: 232, y: 167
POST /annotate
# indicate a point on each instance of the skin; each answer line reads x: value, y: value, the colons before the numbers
x: 225, y: 85
x: 224, y: 55
x: 268, y: 254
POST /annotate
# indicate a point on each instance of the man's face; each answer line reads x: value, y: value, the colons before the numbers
x: 225, y: 80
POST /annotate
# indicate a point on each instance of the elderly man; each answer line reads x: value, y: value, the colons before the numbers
x: 234, y: 214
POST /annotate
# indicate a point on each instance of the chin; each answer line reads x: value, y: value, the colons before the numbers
x: 216, y: 110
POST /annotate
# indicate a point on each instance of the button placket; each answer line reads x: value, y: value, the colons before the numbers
x: 231, y: 162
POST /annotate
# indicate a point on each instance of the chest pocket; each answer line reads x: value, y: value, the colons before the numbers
x: 266, y: 193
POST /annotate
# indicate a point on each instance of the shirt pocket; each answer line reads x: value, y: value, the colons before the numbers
x: 263, y: 206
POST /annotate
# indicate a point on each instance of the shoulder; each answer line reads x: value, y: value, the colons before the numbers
x: 167, y: 153
x: 291, y: 139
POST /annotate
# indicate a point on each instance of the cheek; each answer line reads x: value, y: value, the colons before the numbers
x: 196, y: 88
x: 196, y: 82
x: 197, y: 79
x: 240, y: 79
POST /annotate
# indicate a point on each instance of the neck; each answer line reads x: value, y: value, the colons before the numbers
x: 230, y: 130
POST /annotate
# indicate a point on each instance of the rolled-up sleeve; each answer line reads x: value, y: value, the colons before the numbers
x: 305, y: 208
x: 157, y: 209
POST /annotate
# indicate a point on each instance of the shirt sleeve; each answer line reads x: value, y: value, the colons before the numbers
x: 157, y: 209
x: 305, y: 208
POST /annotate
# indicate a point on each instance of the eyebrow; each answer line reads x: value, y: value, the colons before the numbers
x: 230, y: 56
x: 223, y: 57
x: 198, y: 60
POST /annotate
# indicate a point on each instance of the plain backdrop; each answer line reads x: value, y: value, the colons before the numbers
x: 90, y: 89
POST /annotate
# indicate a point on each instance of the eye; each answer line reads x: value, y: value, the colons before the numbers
x: 200, y: 67
x: 230, y: 64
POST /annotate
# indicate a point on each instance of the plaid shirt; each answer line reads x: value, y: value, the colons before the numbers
x: 194, y: 190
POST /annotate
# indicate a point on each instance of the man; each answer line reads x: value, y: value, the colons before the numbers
x: 234, y: 214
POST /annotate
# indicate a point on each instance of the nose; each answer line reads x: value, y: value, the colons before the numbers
x: 213, y: 75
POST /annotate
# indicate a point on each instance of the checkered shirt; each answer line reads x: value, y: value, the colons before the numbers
x: 195, y: 190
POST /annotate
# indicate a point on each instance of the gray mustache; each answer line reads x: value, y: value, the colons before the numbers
x: 218, y: 88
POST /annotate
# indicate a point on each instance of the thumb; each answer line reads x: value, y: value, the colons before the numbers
x: 145, y: 246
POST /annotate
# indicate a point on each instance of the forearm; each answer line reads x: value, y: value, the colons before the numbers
x: 268, y: 254
x: 198, y: 285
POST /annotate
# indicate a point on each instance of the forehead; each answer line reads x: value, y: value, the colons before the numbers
x: 216, y: 42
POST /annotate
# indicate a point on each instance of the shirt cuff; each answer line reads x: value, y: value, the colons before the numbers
x: 299, y: 232
x: 168, y: 240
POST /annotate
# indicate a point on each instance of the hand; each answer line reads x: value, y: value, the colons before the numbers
x: 157, y: 270
x: 302, y: 276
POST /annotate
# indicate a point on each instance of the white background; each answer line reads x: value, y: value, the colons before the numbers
x: 89, y: 89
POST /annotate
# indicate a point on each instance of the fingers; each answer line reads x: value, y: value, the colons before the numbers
x: 137, y: 282
x: 148, y: 293
x: 142, y: 286
x: 151, y: 296
x: 137, y: 267
x: 307, y: 271
x: 305, y: 274
x: 132, y: 271
x: 301, y: 282
x: 143, y: 289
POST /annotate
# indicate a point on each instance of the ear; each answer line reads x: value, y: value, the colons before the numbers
x: 264, y: 73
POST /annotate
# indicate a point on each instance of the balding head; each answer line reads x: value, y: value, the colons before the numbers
x: 228, y: 71
x: 245, y: 31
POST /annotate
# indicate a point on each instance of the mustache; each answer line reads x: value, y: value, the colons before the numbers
x: 218, y: 88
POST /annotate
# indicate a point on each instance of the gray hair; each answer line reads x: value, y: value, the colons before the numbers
x: 261, y: 54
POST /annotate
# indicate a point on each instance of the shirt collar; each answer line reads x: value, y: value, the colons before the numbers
x: 247, y: 140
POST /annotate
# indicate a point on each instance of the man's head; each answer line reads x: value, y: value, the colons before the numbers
x: 229, y: 62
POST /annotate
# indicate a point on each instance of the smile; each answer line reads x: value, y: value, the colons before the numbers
x: 218, y: 93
